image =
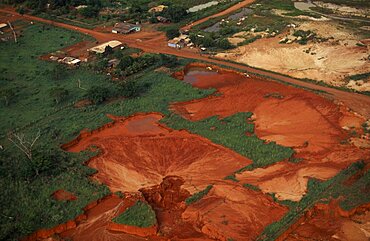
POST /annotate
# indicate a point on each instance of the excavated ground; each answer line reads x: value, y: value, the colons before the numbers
x: 138, y: 152
x: 146, y: 160
x: 293, y: 117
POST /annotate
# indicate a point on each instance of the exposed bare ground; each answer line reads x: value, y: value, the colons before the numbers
x: 331, y: 61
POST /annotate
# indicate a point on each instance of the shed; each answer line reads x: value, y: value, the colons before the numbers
x: 3, y: 25
x: 100, y: 49
x: 176, y: 43
x: 70, y: 61
x: 157, y: 9
x: 125, y: 28
x: 163, y: 19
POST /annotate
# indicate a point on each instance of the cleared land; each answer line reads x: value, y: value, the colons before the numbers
x: 228, y: 170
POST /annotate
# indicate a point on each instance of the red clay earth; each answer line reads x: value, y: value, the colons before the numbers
x: 63, y: 195
x: 293, y: 117
x: 138, y: 152
x: 329, y: 222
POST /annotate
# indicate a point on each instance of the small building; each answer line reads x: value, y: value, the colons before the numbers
x: 112, y: 63
x: 157, y: 9
x: 100, y: 49
x: 3, y: 25
x: 70, y: 61
x: 125, y: 28
x: 163, y: 19
x: 79, y: 7
x: 176, y: 43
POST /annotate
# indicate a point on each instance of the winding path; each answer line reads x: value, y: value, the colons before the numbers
x: 156, y: 42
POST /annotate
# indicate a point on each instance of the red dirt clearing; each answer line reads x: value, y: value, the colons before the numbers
x: 96, y: 226
x: 62, y: 195
x: 230, y: 211
x: 138, y: 152
x: 292, y: 117
x: 326, y: 222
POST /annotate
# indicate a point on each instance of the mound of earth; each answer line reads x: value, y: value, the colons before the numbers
x: 232, y: 212
x: 324, y: 224
x: 138, y: 152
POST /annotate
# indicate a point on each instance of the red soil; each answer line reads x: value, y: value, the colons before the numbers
x: 230, y: 211
x: 167, y: 199
x: 98, y: 225
x: 62, y: 195
x: 329, y: 222
x: 138, y: 152
x: 309, y: 123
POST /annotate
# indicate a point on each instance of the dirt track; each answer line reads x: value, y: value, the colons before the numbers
x: 225, y: 12
x: 155, y: 42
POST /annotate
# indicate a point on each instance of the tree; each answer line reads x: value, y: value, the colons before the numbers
x: 98, y: 94
x: 126, y: 61
x: 168, y: 60
x: 207, y: 41
x: 175, y: 13
x: 224, y: 44
x: 172, y: 33
x: 134, y: 88
x: 7, y: 95
x: 23, y: 143
x: 89, y: 12
x: 58, y: 94
x: 59, y: 72
x: 108, y: 50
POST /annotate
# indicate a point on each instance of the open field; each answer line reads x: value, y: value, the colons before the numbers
x: 216, y: 154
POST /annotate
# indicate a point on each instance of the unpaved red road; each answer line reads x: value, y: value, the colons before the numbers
x: 155, y: 42
x: 222, y: 13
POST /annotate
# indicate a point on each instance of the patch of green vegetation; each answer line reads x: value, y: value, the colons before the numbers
x: 140, y: 215
x: 295, y: 160
x: 232, y: 178
x: 197, y: 196
x: 318, y: 191
x: 230, y: 132
x: 252, y: 187
x: 360, y: 76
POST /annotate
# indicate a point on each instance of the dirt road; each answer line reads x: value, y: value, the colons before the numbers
x: 227, y: 11
x: 155, y: 42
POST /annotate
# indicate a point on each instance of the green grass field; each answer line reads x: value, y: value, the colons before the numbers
x: 140, y: 214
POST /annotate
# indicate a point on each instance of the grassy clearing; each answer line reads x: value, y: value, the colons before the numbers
x: 197, y: 196
x: 318, y: 191
x: 140, y: 215
x: 231, y: 133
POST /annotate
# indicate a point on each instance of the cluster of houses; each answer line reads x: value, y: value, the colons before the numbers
x: 180, y: 42
x: 158, y: 9
x: 99, y: 49
x: 125, y: 28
